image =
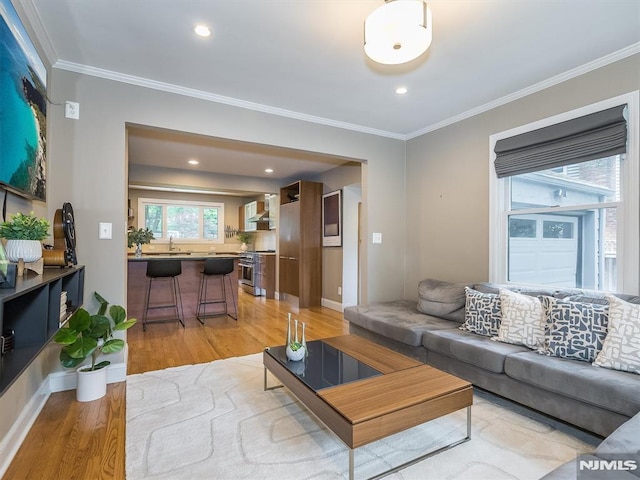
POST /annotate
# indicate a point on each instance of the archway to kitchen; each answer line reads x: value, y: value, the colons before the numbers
x: 232, y: 173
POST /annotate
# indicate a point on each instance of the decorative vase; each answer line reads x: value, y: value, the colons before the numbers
x: 288, y: 329
x: 138, y: 250
x: 295, y: 355
x: 243, y: 247
x: 27, y: 250
x: 92, y: 384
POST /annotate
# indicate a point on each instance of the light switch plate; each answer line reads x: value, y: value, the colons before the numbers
x: 104, y: 232
x: 377, y: 237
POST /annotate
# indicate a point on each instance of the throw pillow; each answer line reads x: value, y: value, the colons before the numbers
x: 523, y: 320
x: 621, y: 348
x: 575, y: 330
x: 482, y: 313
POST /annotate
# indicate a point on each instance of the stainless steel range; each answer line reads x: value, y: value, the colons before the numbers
x: 249, y: 274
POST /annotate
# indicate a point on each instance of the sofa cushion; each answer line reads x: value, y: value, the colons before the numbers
x: 621, y: 349
x: 610, y: 389
x: 399, y: 320
x: 523, y: 320
x: 574, y: 329
x: 441, y: 299
x: 482, y: 313
x: 470, y: 348
x: 489, y: 287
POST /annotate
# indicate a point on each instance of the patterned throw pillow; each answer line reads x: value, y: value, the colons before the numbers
x: 575, y: 330
x: 621, y: 348
x: 523, y: 320
x: 482, y: 313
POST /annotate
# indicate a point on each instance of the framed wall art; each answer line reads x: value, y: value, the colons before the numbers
x: 332, y: 219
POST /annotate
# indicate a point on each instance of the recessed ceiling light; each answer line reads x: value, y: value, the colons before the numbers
x: 401, y: 90
x: 193, y: 162
x: 202, y: 30
x: 268, y: 170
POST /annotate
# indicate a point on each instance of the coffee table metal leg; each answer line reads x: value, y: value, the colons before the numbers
x: 351, y: 466
x: 265, y: 382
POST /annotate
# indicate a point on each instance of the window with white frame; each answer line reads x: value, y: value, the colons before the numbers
x: 570, y: 225
x: 182, y: 220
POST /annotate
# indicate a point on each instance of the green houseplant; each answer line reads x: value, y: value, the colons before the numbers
x: 138, y: 237
x: 87, y: 336
x: 245, y: 238
x: 24, y: 234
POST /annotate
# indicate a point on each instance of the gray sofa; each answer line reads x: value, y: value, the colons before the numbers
x: 593, y: 398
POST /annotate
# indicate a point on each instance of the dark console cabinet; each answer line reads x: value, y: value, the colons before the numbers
x: 31, y: 313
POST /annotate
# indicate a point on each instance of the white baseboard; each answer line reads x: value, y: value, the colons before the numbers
x: 325, y: 302
x: 18, y: 431
x: 67, y: 380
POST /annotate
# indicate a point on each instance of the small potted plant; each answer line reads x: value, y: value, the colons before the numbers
x: 138, y: 237
x: 24, y: 235
x: 245, y: 238
x: 87, y: 336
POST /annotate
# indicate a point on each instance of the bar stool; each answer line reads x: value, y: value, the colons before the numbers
x: 168, y: 270
x: 221, y: 268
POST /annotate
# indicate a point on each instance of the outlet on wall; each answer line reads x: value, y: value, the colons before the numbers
x: 339, y: 290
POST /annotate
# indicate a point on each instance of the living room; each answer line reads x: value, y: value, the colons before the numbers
x: 426, y: 190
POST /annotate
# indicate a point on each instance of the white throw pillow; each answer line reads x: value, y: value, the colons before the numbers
x: 523, y: 320
x: 621, y: 348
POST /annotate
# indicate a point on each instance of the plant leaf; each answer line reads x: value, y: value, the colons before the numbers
x: 117, y: 314
x: 65, y: 336
x: 81, y: 348
x: 102, y: 364
x: 100, y: 326
x: 68, y: 361
x: 124, y: 325
x: 113, y: 345
x: 103, y: 303
x: 80, y: 320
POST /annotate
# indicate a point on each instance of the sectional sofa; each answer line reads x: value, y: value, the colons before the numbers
x: 594, y: 398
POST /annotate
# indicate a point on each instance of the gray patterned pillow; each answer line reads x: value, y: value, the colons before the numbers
x: 482, y: 313
x: 523, y: 320
x: 575, y: 330
x: 621, y: 348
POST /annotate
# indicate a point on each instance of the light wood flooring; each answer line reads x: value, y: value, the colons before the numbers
x: 86, y: 441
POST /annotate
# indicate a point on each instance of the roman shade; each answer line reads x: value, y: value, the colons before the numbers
x: 597, y: 135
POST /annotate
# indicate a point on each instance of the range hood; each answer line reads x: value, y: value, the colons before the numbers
x: 259, y: 217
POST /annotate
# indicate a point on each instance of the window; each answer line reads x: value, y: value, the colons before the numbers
x: 570, y: 225
x: 182, y: 220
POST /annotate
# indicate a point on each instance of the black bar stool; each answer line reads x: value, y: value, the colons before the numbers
x: 168, y: 270
x: 221, y: 268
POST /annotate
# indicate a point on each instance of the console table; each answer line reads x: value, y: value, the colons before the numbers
x: 32, y: 312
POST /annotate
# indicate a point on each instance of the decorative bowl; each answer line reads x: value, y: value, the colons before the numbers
x: 295, y: 355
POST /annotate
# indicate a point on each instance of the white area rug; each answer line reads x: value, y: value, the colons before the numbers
x: 214, y: 421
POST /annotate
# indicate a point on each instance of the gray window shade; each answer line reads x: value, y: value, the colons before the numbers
x: 598, y: 135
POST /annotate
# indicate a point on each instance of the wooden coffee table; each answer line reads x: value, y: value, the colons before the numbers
x: 398, y: 392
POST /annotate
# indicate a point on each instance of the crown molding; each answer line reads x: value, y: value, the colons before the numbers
x: 212, y: 97
x: 550, y: 82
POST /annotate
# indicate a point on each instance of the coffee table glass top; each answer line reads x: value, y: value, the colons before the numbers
x: 324, y: 366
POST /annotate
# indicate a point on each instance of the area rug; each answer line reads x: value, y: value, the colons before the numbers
x: 214, y: 421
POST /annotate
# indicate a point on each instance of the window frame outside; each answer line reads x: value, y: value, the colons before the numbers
x: 164, y: 203
x: 628, y: 233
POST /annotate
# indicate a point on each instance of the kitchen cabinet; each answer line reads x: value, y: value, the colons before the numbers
x: 273, y: 211
x: 300, y: 254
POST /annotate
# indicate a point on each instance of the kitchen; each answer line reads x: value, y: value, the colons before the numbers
x: 235, y: 178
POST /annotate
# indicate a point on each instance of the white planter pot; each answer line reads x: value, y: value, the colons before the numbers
x: 27, y: 250
x: 92, y: 385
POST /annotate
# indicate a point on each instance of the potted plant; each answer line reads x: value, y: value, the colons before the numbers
x: 245, y: 238
x: 24, y: 234
x: 138, y: 237
x: 87, y: 336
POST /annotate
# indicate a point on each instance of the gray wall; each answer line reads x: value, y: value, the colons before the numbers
x: 92, y: 151
x: 448, y: 175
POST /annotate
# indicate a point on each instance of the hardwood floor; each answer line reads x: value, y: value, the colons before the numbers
x: 86, y: 441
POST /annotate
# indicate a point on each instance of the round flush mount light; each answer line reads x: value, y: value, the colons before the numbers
x: 401, y: 90
x: 193, y: 162
x: 268, y: 170
x: 202, y: 30
x: 398, y: 31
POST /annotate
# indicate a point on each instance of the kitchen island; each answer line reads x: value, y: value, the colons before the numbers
x: 189, y: 281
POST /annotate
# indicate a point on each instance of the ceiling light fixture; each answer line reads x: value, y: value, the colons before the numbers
x: 401, y: 90
x: 398, y: 31
x: 202, y: 31
x: 268, y: 170
x: 193, y: 162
